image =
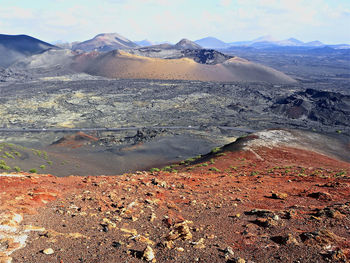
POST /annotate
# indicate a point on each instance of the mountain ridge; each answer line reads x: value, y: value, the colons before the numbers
x: 105, y: 42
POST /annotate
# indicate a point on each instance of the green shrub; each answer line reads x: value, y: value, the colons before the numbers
x: 9, y: 155
x: 340, y: 173
x: 49, y: 162
x: 152, y: 170
x: 190, y: 160
x: 17, y: 169
x: 17, y: 153
x: 215, y: 150
x: 167, y: 169
x: 43, y: 167
x: 45, y: 155
x: 5, y: 167
x: 37, y: 152
x: 214, y: 169
x: 33, y: 171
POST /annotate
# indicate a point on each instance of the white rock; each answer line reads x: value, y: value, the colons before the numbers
x: 148, y: 254
x: 48, y: 251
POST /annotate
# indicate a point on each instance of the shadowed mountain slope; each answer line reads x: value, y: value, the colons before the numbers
x: 16, y: 47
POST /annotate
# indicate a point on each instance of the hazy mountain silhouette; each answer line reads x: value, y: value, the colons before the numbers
x: 144, y: 43
x: 212, y: 42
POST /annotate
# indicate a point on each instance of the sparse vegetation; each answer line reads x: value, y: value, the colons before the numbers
x: 340, y: 173
x: 214, y: 169
x: 152, y: 170
x: 42, y: 167
x: 33, y: 171
x: 17, y: 169
x: 215, y: 150
x: 45, y: 156
x: 9, y: 155
x: 190, y: 160
x: 17, y: 153
x: 3, y: 166
x: 37, y: 152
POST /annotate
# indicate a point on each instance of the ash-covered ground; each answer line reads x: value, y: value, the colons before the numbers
x: 54, y: 97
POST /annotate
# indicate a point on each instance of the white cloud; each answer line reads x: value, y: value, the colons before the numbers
x: 15, y: 12
x: 225, y: 3
x: 171, y: 20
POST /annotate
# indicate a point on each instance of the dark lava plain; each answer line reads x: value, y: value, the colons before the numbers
x: 54, y: 97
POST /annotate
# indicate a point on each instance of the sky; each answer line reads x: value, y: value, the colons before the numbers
x: 172, y: 20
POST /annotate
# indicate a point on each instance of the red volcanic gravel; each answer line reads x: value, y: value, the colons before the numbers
x: 268, y: 205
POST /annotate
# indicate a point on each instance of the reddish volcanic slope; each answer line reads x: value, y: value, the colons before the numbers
x: 257, y: 203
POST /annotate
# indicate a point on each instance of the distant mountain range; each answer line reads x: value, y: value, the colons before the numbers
x: 111, y: 41
x: 147, y: 43
x: 263, y: 42
x: 17, y: 47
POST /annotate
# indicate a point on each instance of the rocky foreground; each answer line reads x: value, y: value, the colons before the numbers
x: 258, y: 200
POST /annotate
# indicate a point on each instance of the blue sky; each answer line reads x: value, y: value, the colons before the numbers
x: 160, y: 20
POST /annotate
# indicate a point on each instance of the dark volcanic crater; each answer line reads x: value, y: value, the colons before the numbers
x: 328, y: 108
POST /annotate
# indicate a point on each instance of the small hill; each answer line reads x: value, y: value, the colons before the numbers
x: 105, y: 42
x: 187, y: 44
x: 211, y: 42
x: 16, y: 47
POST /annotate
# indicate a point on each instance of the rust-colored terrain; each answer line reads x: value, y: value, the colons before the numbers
x: 252, y: 201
